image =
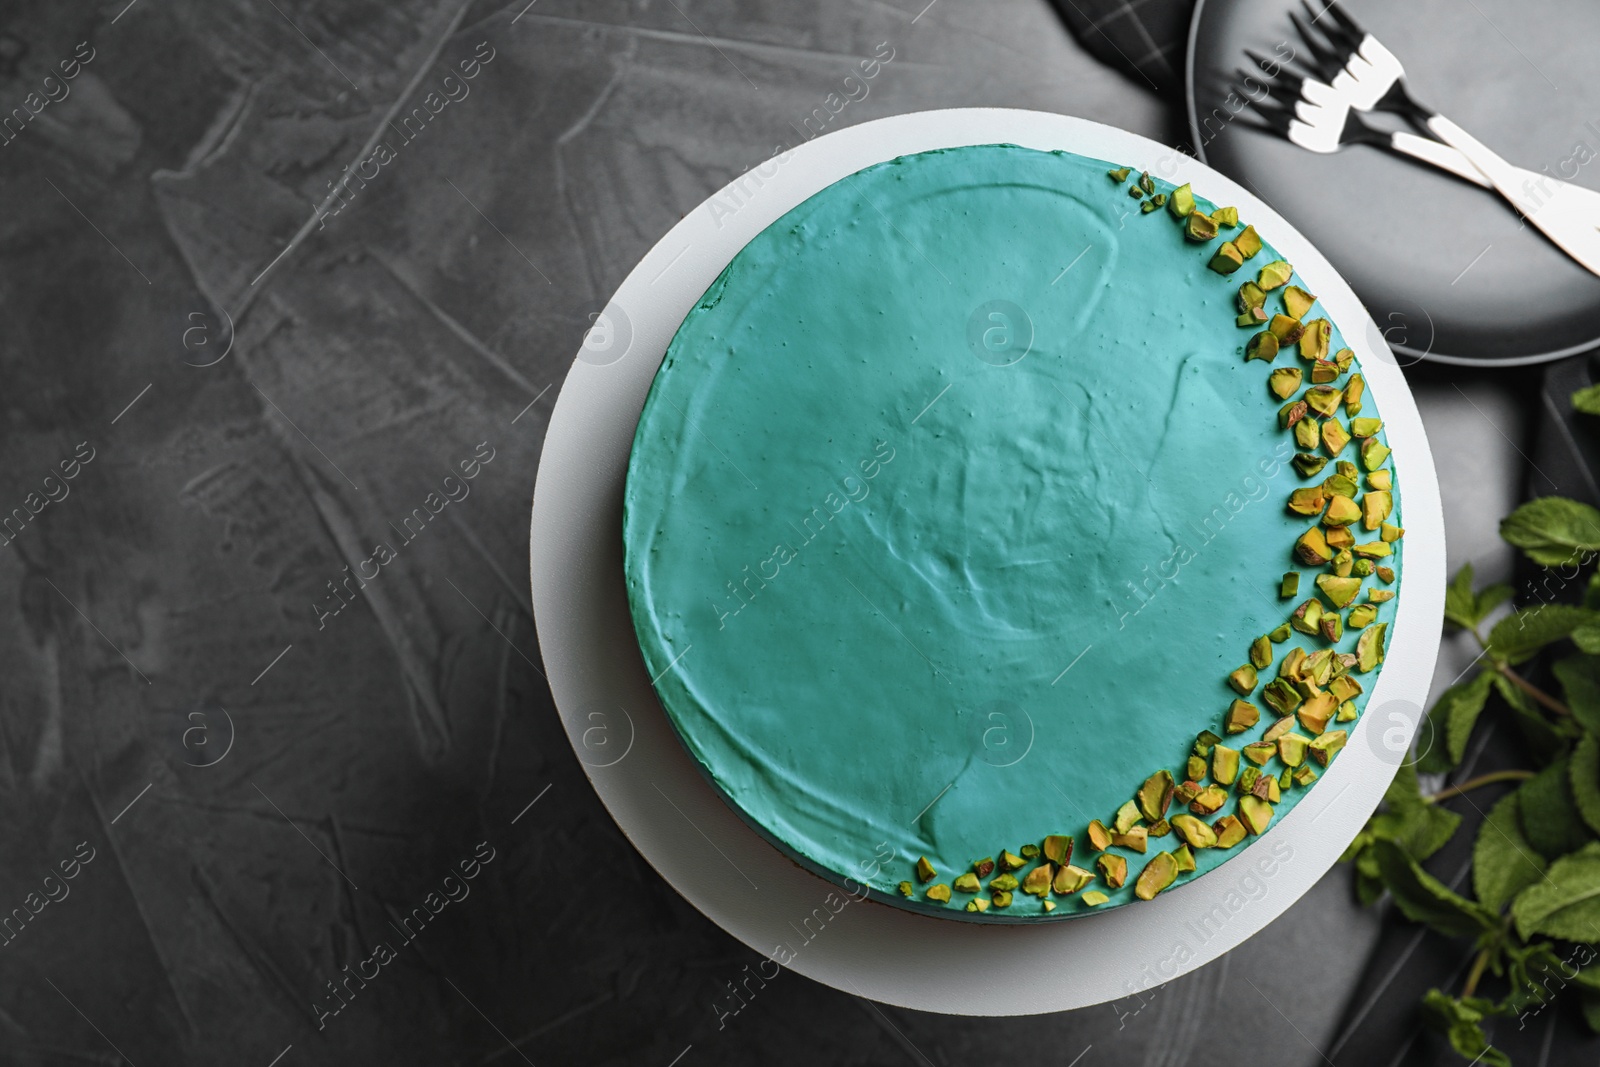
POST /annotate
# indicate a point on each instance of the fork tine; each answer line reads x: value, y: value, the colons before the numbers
x: 1280, y: 80
x: 1348, y: 24
x: 1331, y: 28
x: 1324, y: 60
x: 1275, y: 116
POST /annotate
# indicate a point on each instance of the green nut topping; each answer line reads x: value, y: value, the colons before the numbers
x: 967, y: 883
x: 1229, y: 830
x: 1311, y: 548
x: 1251, y: 297
x: 1126, y: 818
x: 1070, y: 879
x: 1224, y: 764
x: 1227, y: 258
x: 1195, y: 767
x: 1136, y: 839
x: 1363, y: 428
x: 1094, y: 898
x: 1001, y: 899
x: 1029, y: 851
x: 1182, y: 201
x: 1240, y: 717
x: 1339, y: 591
x: 1099, y: 836
x: 1058, y: 848
x: 1158, y: 874
x: 1308, y: 464
x: 1369, y: 647
x: 1199, y: 226
x: 1009, y: 862
x: 1323, y: 399
x: 939, y: 894
x: 1261, y: 346
x: 1307, y: 618
x: 1334, y: 437
x: 1354, y: 390
x: 1255, y: 813
x: 1281, y: 634
x: 1147, y: 183
x: 905, y: 889
x: 1373, y: 453
x: 978, y: 905
x: 1306, y: 434
x: 1148, y: 206
x: 1323, y: 371
x: 983, y: 868
x: 1327, y: 746
x: 1297, y: 301
x: 1259, y: 752
x: 1113, y: 868
x: 1274, y: 275
x: 1249, y: 243
x: 1261, y: 653
x: 1243, y: 680
x: 1205, y: 743
x: 1281, y: 696
x: 1003, y: 882
x: 1037, y: 882
x: 1208, y: 800
x: 1155, y: 795
x: 1286, y: 329
x: 1292, y: 749
x: 1314, y: 342
x: 1120, y: 174
x: 1184, y: 857
x: 1226, y: 216
x: 1284, y: 382
x: 925, y: 871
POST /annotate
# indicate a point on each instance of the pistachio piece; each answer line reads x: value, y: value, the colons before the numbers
x: 1314, y: 342
x: 1316, y: 711
x: 1281, y: 696
x: 1249, y: 243
x: 1159, y: 199
x: 1003, y: 882
x: 1251, y: 297
x: 1307, y: 463
x: 905, y: 889
x: 1147, y: 183
x: 1195, y: 767
x: 1070, y: 879
x: 1311, y: 548
x: 1135, y: 192
x: 1113, y: 868
x: 1187, y: 791
x: 1307, y: 618
x: 1136, y: 838
x: 1226, y: 216
x: 978, y: 905
x: 1323, y: 399
x: 1292, y: 749
x: 1285, y: 780
x: 925, y: 871
x: 1001, y: 899
x: 1227, y: 258
x: 1120, y: 174
x: 1199, y: 226
x: 1094, y: 898
x: 1309, y: 501
x: 1375, y: 507
x: 1127, y: 816
x: 1339, y: 485
x: 1289, y: 586
x: 1339, y: 591
x: 1287, y: 330
x: 1281, y: 634
x: 1294, y: 661
x: 1029, y: 851
x: 1185, y: 858
x: 1373, y: 453
x: 1037, y: 882
x: 1247, y: 778
x: 1099, y: 836
x: 1354, y: 390
x: 1323, y: 371
x: 1380, y: 480
x: 1240, y: 716
x: 1261, y: 346
x: 1148, y: 206
x: 1058, y: 848
x: 1334, y: 437
x: 1305, y: 774
x: 1224, y: 764
x: 983, y: 868
x: 1204, y: 743
x: 1369, y: 647
x: 1049, y: 905
x: 1364, y: 428
x: 1328, y: 745
x: 1387, y: 575
x: 1342, y: 511
x: 1297, y: 301
x: 1261, y: 653
x: 1343, y: 563
x: 1009, y: 862
x: 1345, y: 687
x: 1292, y: 413
x: 1243, y: 680
x: 1160, y: 828
x: 1374, y: 549
x: 1319, y: 666
x: 1347, y: 712
x: 1284, y: 382
x: 1340, y: 537
x: 967, y: 883
x: 1181, y: 202
x: 1255, y: 813
x: 1306, y: 434
x: 1229, y: 830
x: 1256, y: 317
x: 1363, y: 568
x: 1259, y: 752
x: 1332, y: 627
x: 1155, y: 795
x: 1193, y: 831
x: 1209, y: 800
x: 1342, y: 359
x: 939, y: 894
x: 1390, y: 534
x: 1278, y: 729
x: 1347, y: 470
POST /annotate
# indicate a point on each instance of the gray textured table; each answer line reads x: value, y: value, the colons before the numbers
x: 334, y: 819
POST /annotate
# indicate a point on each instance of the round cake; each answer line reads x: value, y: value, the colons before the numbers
x: 1010, y: 535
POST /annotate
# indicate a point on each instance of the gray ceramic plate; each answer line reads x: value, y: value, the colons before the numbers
x: 1448, y: 270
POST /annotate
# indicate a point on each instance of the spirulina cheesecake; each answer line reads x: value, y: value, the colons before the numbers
x: 1011, y: 535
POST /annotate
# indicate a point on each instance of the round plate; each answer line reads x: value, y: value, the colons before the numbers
x: 1446, y: 267
x: 723, y: 867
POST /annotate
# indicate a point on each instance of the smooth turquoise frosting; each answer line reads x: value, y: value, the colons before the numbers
x: 911, y: 585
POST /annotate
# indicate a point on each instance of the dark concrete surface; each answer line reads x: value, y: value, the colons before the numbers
x: 255, y: 769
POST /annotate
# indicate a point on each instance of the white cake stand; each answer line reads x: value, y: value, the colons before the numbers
x: 723, y: 867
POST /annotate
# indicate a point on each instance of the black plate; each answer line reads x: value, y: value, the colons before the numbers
x: 1412, y: 240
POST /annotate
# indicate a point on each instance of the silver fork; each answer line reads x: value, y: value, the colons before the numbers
x: 1366, y: 75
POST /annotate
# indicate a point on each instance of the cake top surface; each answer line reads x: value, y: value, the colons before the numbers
x: 953, y: 505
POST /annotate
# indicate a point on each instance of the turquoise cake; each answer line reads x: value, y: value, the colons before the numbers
x: 1010, y: 536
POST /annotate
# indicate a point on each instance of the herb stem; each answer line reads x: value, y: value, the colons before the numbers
x: 1476, y: 974
x: 1532, y: 690
x: 1473, y: 783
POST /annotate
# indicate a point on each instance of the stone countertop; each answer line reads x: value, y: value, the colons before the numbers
x: 253, y: 380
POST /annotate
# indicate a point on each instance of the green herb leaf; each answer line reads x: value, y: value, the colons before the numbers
x: 1423, y: 898
x: 1466, y: 608
x: 1519, y: 636
x: 1463, y: 704
x: 1548, y: 741
x: 1552, y: 530
x: 1583, y: 774
x: 1587, y: 400
x: 1461, y: 1020
x: 1550, y: 818
x: 1419, y: 828
x: 1565, y: 903
x: 1580, y: 684
x: 1503, y: 862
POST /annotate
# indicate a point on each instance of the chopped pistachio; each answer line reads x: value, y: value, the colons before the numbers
x: 1258, y: 752
x: 1227, y: 258
x: 1148, y: 206
x: 1373, y: 453
x: 1009, y: 862
x: 1195, y: 767
x: 1113, y: 868
x: 1306, y: 434
x: 1343, y: 563
x: 1126, y: 817
x: 1185, y: 858
x: 1199, y: 227
x: 1278, y: 729
x: 1094, y: 898
x: 1155, y: 795
x: 1369, y: 647
x: 1287, y: 330
x: 938, y: 893
x: 1390, y: 534
x: 1136, y: 838
x: 1187, y: 791
x: 1354, y: 390
x: 1160, y: 828
x: 1305, y: 774
x: 1339, y: 485
x: 1274, y: 275
x: 1135, y: 192
x: 1281, y: 634
x: 1307, y: 618
x: 1037, y: 882
x: 1120, y: 174
x: 1281, y: 696
x: 1314, y: 342
x: 1249, y: 243
x: 1290, y: 586
x: 1308, y: 464
x: 1385, y: 573
x: 967, y: 883
x: 1147, y: 183
x: 1209, y: 800
x: 1323, y: 371
x: 1159, y: 199
x: 1374, y: 549
x: 1251, y: 298
x: 1339, y: 591
x: 1293, y: 665
x: 1058, y: 848
x: 1224, y: 764
x: 1362, y: 568
x: 1347, y: 712
x: 1334, y: 437
x: 1323, y: 399
x: 1261, y: 653
x: 1297, y: 301
x: 1181, y: 201
x: 925, y: 871
x: 1229, y: 830
x: 1340, y: 537
x: 1255, y: 813
x: 1345, y: 687
x: 1347, y: 470
x: 978, y: 905
x: 1003, y: 882
x: 1001, y: 899
x: 1292, y: 749
x: 1204, y: 743
x: 1379, y: 480
x: 1247, y: 778
x: 1332, y: 627
x: 1240, y: 716
x: 1292, y: 412
x: 1316, y: 711
x: 1342, y: 511
x: 1286, y: 779
x: 1070, y: 879
x: 1243, y: 679
x: 1048, y: 905
x: 1364, y: 428
x: 1328, y: 745
x: 905, y: 889
x: 1261, y: 346
x: 1193, y: 831
x: 1375, y: 507
x: 1342, y: 359
x: 1029, y: 851
x: 1226, y: 216
x: 1312, y: 548
x: 1308, y: 501
x: 983, y: 868
x: 1284, y: 382
x: 1253, y: 318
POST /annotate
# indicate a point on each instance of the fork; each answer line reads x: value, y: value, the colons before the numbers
x: 1363, y: 74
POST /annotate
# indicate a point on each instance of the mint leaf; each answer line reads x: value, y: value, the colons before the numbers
x: 1565, y: 903
x: 1503, y: 862
x: 1549, y: 815
x: 1461, y: 1020
x: 1466, y: 608
x: 1547, y: 740
x: 1580, y: 684
x: 1552, y: 530
x: 1519, y: 636
x: 1583, y: 774
x: 1419, y: 828
x: 1587, y: 400
x: 1423, y: 898
x: 1464, y: 703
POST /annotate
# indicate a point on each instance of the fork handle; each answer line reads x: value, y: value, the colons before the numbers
x: 1440, y: 155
